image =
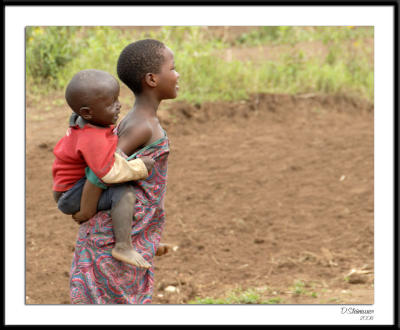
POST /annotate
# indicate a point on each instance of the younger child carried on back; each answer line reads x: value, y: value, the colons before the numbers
x: 91, y: 142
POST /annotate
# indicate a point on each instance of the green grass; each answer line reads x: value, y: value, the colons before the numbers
x: 55, y: 54
x: 302, y: 288
x: 239, y: 296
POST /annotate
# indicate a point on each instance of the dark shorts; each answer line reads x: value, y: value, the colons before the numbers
x: 70, y: 201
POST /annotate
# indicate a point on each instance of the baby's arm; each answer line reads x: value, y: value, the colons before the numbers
x: 89, y: 200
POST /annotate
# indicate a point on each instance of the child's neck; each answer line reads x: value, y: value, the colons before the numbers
x: 81, y: 122
x: 147, y: 102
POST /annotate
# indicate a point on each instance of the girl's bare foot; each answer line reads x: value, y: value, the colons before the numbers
x: 129, y: 255
x: 163, y: 248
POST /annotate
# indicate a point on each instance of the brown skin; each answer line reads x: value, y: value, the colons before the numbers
x: 102, y: 109
x: 90, y: 197
x: 93, y: 94
x: 162, y: 249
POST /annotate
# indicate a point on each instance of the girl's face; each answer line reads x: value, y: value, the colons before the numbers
x: 168, y: 77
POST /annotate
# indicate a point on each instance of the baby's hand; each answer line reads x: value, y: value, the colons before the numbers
x: 149, y: 162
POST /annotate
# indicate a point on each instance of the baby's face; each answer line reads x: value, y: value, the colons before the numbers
x: 105, y: 107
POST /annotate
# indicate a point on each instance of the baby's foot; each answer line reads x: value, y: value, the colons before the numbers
x: 130, y: 256
x: 163, y: 248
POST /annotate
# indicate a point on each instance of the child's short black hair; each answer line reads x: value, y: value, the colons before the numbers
x: 137, y: 59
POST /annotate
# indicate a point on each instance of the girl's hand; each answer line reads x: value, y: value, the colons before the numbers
x: 149, y: 162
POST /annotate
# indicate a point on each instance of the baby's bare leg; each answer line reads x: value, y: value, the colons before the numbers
x: 122, y: 215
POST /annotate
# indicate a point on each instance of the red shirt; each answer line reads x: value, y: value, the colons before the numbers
x: 91, y: 146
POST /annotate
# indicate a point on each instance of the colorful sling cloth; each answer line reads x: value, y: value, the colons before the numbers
x: 95, y: 276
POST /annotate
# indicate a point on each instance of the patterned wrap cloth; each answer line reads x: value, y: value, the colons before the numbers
x: 95, y: 276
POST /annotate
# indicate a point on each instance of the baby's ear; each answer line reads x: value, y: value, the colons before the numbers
x: 151, y: 79
x: 85, y: 113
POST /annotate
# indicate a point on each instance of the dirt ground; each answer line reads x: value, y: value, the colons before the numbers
x: 273, y: 194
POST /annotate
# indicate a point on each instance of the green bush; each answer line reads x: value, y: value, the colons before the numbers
x: 262, y: 35
x: 55, y: 54
x: 48, y: 51
x: 101, y: 50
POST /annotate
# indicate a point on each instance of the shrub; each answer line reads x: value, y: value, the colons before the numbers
x: 48, y: 50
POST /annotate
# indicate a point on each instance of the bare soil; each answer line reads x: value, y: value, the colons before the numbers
x: 262, y: 194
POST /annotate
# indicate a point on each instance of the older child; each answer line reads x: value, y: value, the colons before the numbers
x: 147, y: 68
x: 91, y: 141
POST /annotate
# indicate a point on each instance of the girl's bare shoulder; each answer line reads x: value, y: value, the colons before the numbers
x: 133, y: 133
x: 130, y: 124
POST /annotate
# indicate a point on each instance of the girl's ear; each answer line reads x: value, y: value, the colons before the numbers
x: 85, y: 113
x: 151, y: 79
